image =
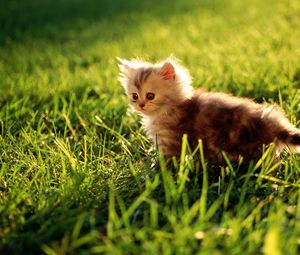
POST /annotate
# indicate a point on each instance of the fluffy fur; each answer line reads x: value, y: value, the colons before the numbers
x: 162, y: 94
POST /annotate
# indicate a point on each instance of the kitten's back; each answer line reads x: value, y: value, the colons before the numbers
x: 236, y: 125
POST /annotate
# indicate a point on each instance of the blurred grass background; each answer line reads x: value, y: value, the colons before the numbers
x: 76, y: 174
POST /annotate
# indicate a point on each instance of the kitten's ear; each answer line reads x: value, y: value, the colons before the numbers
x: 124, y: 66
x: 167, y: 71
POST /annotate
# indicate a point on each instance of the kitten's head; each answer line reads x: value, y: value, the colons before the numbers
x: 155, y: 88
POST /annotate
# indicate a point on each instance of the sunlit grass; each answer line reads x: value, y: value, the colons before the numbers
x: 77, y: 173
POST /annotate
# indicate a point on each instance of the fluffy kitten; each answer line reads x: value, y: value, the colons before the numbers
x: 162, y: 94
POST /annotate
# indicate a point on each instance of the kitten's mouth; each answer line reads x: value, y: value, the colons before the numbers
x: 143, y: 110
x: 148, y: 111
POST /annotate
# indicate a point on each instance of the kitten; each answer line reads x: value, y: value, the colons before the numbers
x: 162, y: 94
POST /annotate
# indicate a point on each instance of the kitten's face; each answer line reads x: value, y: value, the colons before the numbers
x: 151, y: 89
x: 151, y: 95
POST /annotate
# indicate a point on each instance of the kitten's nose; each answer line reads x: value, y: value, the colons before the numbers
x: 141, y: 105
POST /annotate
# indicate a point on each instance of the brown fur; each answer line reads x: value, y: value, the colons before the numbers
x: 236, y: 126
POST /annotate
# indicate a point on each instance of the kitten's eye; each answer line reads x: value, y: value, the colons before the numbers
x: 135, y: 96
x: 150, y: 96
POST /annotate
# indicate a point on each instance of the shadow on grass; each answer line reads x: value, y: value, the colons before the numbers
x: 55, y: 221
x: 47, y: 19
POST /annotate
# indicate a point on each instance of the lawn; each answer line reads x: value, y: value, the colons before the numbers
x: 77, y: 173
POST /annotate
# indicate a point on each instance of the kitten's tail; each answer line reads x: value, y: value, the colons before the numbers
x: 291, y: 139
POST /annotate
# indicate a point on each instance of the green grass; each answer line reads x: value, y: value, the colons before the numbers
x: 76, y: 171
